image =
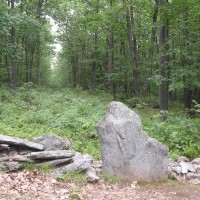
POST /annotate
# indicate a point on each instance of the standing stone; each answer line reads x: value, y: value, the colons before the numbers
x: 127, y: 152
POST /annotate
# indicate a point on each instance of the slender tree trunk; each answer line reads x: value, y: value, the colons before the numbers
x: 95, y: 55
x: 133, y: 47
x: 38, y: 62
x: 74, y: 72
x: 12, y: 60
x: 38, y: 48
x: 151, y: 49
x: 163, y: 87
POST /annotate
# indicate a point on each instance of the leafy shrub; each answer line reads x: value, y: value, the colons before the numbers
x: 179, y: 133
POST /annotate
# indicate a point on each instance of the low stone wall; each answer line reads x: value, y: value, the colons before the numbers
x: 46, y: 151
x: 58, y: 154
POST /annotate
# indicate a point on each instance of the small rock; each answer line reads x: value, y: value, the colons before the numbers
x: 68, y: 144
x: 182, y: 159
x: 177, y: 169
x: 11, y: 166
x: 196, y: 161
x: 77, y: 166
x: 189, y: 175
x: 187, y: 167
x: 172, y: 175
x: 88, y: 157
x: 91, y: 175
x: 51, y: 142
x: 197, y: 176
x: 97, y: 164
x: 98, y: 171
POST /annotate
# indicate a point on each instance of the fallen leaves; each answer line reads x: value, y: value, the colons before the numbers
x: 31, y: 185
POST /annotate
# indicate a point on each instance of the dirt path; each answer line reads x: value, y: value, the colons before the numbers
x: 34, y: 186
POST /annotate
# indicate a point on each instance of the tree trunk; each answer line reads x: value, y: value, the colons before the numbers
x: 147, y: 88
x: 163, y: 87
x: 133, y: 48
x: 95, y: 55
x: 12, y: 63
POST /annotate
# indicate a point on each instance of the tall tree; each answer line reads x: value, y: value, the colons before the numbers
x: 163, y: 86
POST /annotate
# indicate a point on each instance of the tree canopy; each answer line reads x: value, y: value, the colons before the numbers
x: 131, y: 48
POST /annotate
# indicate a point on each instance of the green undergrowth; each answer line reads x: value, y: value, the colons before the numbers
x: 30, y: 112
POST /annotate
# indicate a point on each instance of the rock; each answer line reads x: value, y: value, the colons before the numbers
x: 127, y: 152
x: 78, y: 165
x: 79, y: 155
x: 97, y: 164
x: 51, y: 142
x: 10, y: 166
x: 91, y: 175
x: 187, y: 167
x: 197, y: 167
x: 4, y: 147
x: 197, y: 176
x: 54, y: 163
x: 190, y: 175
x: 57, y: 154
x: 20, y: 142
x: 177, y: 169
x: 182, y: 158
x: 68, y: 144
x: 24, y: 152
x: 196, y: 161
x: 17, y: 158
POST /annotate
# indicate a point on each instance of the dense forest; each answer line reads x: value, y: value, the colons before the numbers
x: 138, y: 51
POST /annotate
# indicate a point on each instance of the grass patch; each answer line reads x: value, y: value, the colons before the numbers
x: 31, y: 112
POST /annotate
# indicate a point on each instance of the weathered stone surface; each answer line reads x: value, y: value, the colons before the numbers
x: 78, y: 165
x: 187, y: 167
x: 126, y: 150
x: 177, y: 169
x: 17, y: 158
x: 54, y: 163
x: 57, y: 154
x: 4, y: 139
x: 52, y: 142
x: 4, y: 147
x: 91, y: 175
x: 182, y: 158
x: 196, y: 161
x: 10, y: 166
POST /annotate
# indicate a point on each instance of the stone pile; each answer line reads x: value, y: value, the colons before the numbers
x: 46, y: 151
x: 183, y: 169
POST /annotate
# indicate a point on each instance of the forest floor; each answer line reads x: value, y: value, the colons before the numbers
x: 31, y: 185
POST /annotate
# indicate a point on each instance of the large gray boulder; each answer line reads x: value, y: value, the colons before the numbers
x: 127, y: 152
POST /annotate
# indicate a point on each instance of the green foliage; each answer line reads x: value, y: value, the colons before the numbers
x: 180, y: 133
x: 73, y: 114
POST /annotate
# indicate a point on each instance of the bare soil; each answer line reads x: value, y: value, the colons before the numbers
x: 32, y: 185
